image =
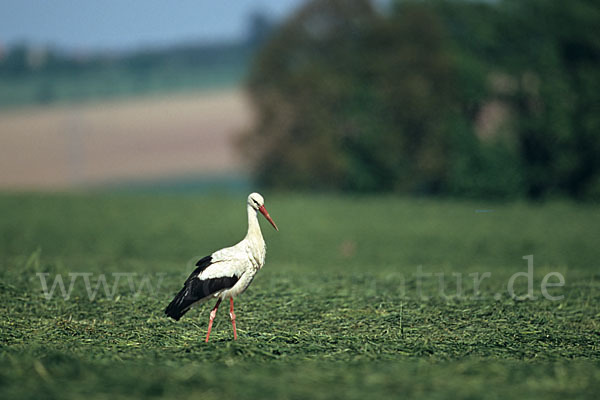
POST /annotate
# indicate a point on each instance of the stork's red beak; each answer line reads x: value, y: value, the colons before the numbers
x: 264, y: 212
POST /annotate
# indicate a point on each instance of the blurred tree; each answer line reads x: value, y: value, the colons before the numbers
x: 15, y: 61
x: 304, y: 84
x: 471, y: 98
x: 351, y: 100
x: 555, y: 53
x: 260, y: 28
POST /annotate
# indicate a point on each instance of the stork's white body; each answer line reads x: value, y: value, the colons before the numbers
x: 243, y: 260
x: 227, y: 272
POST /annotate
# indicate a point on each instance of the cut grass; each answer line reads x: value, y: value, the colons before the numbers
x: 336, y: 312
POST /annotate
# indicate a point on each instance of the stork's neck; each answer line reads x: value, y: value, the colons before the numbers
x: 253, y: 225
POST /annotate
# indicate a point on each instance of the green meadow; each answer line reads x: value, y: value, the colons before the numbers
x: 360, y: 297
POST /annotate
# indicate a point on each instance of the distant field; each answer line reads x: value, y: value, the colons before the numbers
x: 143, y: 139
x: 337, y: 312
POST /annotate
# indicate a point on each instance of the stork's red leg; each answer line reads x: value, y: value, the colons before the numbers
x: 232, y: 315
x: 213, y: 313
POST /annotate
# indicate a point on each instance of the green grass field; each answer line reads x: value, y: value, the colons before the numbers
x: 337, y: 312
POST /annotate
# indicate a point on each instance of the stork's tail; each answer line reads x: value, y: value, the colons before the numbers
x: 178, y: 306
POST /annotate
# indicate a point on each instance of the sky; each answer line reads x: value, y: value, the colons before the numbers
x: 128, y: 24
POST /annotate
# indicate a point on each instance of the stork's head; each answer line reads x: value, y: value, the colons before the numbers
x: 257, y: 202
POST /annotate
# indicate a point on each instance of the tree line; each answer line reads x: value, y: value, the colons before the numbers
x: 469, y: 98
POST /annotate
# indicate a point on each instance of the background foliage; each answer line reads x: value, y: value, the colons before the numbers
x: 494, y: 99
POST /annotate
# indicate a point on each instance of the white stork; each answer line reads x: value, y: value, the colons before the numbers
x: 226, y: 272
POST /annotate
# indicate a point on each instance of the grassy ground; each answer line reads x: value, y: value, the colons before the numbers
x: 339, y: 311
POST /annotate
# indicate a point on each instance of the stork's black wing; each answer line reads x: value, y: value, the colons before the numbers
x: 202, y: 264
x: 194, y: 290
